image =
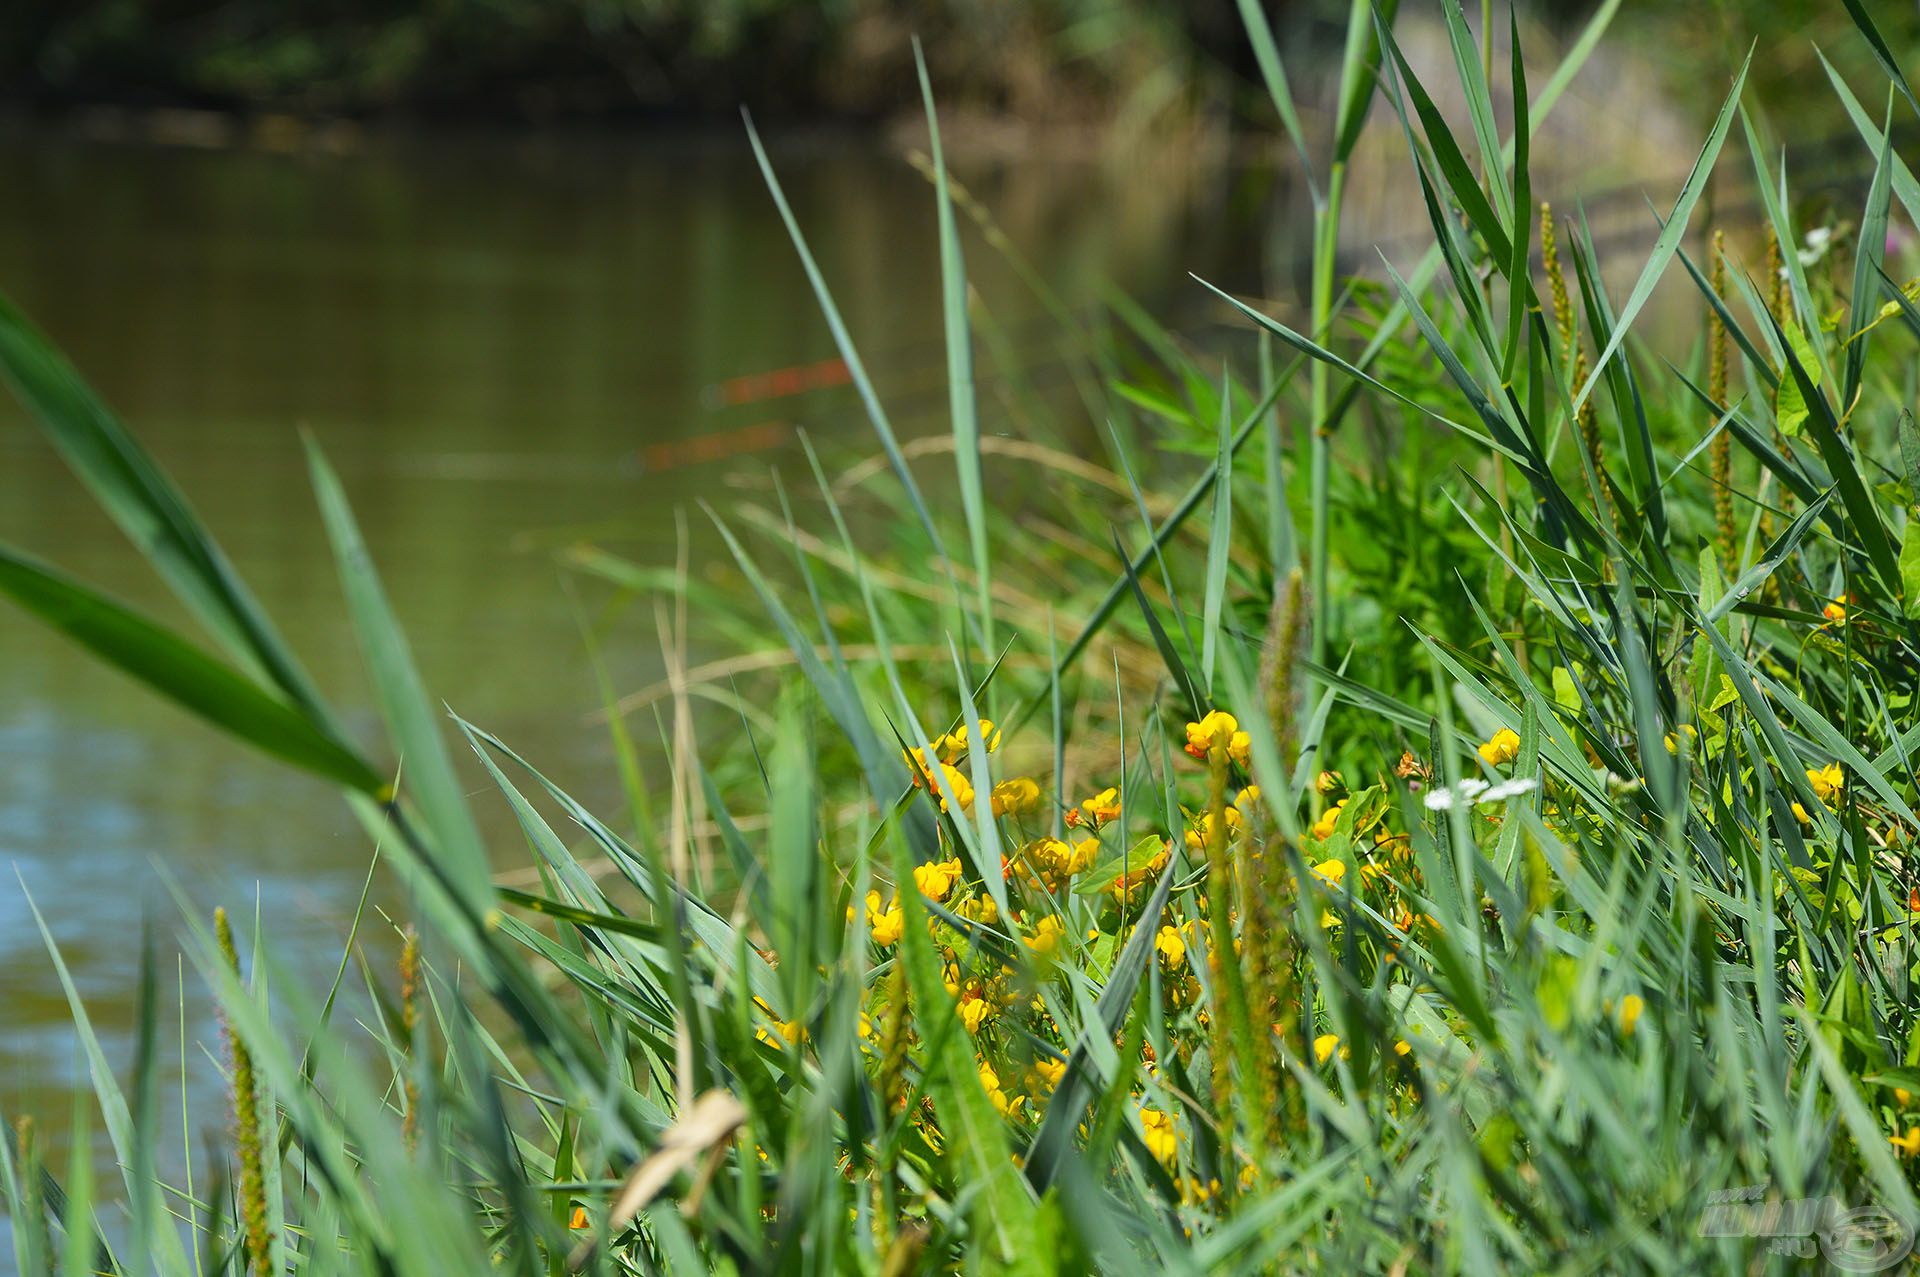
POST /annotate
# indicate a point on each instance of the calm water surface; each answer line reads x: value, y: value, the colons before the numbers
x: 493, y: 340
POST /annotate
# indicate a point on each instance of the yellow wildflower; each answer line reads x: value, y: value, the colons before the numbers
x: 990, y: 1082
x: 1045, y: 938
x: 1323, y: 827
x: 936, y: 878
x: 1097, y: 810
x: 1673, y: 738
x: 1171, y: 947
x: 1330, y: 871
x: 1402, y: 1047
x: 887, y: 925
x: 789, y: 1031
x: 957, y: 784
x: 1048, y: 1072
x: 1156, y: 1128
x: 1215, y: 731
x: 1907, y: 1145
x: 955, y: 743
x: 1201, y: 830
x: 1800, y: 814
x: 1826, y: 781
x: 1836, y: 611
x: 1017, y: 797
x: 1503, y: 748
x: 1325, y: 1045
x: 1630, y: 1008
x: 1085, y: 852
x: 980, y: 909
x: 974, y: 1007
x: 1247, y: 797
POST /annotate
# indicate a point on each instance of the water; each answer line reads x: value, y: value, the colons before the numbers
x: 502, y: 346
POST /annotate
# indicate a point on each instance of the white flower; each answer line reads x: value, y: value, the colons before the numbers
x: 1817, y: 242
x: 1479, y: 793
x: 1508, y: 789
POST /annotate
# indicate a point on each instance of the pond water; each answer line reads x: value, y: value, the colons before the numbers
x: 504, y: 346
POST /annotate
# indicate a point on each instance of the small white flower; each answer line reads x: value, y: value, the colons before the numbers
x: 1479, y: 793
x: 1508, y: 789
x: 1817, y: 242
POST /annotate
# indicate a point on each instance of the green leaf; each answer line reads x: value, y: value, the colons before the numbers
x: 1274, y: 72
x: 1220, y: 543
x: 1790, y: 406
x: 1133, y: 866
x: 179, y: 671
x: 1671, y: 232
x: 1910, y: 568
x: 960, y: 384
x: 410, y: 718
x: 139, y: 497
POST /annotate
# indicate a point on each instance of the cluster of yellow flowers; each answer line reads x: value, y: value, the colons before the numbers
x: 1074, y: 894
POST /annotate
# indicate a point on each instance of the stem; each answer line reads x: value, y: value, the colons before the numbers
x: 1326, y: 242
x: 1232, y: 1024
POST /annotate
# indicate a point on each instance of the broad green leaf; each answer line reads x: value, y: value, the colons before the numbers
x: 179, y: 671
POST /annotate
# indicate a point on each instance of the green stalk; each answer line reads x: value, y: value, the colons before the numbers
x: 1233, y: 1024
x: 1326, y: 242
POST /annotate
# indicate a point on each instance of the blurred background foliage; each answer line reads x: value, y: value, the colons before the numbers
x: 540, y: 61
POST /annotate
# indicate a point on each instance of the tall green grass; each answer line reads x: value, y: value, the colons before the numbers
x: 1578, y: 887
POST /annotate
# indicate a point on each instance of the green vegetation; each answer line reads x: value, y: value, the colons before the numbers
x: 1481, y: 882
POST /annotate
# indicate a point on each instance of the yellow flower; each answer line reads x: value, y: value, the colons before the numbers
x: 980, y: 909
x: 955, y: 743
x: 1099, y: 809
x: 1048, y: 1072
x: 957, y: 784
x: 1673, y: 739
x: 1503, y: 748
x: 974, y: 1008
x: 1085, y: 852
x: 1017, y: 797
x: 1630, y: 1008
x: 1156, y: 1128
x: 1827, y: 781
x: 1325, y: 1045
x: 990, y: 1082
x: 1171, y: 947
x: 1330, y: 871
x: 1402, y: 1047
x: 1323, y: 827
x: 1045, y: 938
x: 1214, y: 731
x: 1907, y: 1145
x: 1902, y: 1096
x: 889, y: 927
x: 1800, y: 814
x: 1240, y: 749
x: 1201, y: 830
x: 1836, y: 611
x: 1247, y: 797
x: 788, y: 1031
x: 936, y: 878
